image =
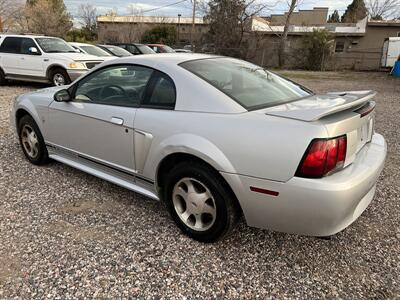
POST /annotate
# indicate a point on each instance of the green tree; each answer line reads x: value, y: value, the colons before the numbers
x: 334, y: 17
x: 161, y: 34
x: 355, y: 11
x: 226, y: 18
x: 316, y: 49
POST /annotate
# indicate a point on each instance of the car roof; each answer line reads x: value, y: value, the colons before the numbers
x: 157, y: 45
x: 165, y: 58
x: 80, y: 44
x: 26, y: 35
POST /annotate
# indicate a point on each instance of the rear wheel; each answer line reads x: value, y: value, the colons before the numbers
x: 32, y: 141
x: 59, y: 77
x: 199, y: 202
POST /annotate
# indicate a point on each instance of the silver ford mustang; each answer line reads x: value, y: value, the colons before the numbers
x: 215, y: 138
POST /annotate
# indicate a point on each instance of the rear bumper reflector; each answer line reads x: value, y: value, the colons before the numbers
x: 263, y: 191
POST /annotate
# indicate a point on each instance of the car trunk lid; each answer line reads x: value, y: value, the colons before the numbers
x: 346, y: 113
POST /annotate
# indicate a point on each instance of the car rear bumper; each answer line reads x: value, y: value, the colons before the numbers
x: 317, y: 207
x: 75, y: 74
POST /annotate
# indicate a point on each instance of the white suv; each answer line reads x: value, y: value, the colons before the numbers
x: 41, y: 59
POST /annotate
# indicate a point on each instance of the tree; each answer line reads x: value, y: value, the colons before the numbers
x: 88, y: 16
x: 49, y: 17
x: 355, y: 11
x: 10, y: 13
x: 161, y: 34
x: 379, y: 10
x: 228, y: 21
x: 334, y: 17
x: 317, y: 49
x: 282, y: 44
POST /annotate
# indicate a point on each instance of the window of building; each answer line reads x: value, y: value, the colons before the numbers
x: 339, y: 47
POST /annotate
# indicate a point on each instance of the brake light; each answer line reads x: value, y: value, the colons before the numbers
x: 322, y: 157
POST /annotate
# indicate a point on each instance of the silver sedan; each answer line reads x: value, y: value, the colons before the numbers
x: 215, y: 138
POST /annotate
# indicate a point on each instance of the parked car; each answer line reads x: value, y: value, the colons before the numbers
x: 41, y: 59
x: 135, y: 48
x: 115, y: 50
x: 183, y: 51
x: 92, y: 50
x: 159, y: 48
x: 213, y: 137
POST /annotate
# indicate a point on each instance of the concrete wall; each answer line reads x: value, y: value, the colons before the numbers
x: 316, y: 16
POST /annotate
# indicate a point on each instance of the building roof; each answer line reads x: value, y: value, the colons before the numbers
x: 385, y: 23
x: 148, y: 19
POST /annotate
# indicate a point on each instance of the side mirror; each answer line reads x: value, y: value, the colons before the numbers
x: 34, y: 51
x: 62, y: 96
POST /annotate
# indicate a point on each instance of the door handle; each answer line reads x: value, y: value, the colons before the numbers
x: 117, y: 121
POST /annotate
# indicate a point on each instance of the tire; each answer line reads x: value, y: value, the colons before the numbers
x: 206, y: 220
x: 3, y: 80
x: 33, y: 145
x: 58, y: 77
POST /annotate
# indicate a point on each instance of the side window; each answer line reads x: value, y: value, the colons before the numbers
x: 27, y: 43
x: 161, y: 92
x: 11, y: 45
x: 122, y: 85
x: 132, y: 49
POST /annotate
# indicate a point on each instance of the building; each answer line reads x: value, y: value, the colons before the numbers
x: 356, y: 46
x: 131, y: 28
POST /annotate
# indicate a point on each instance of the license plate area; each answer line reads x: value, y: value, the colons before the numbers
x: 365, y: 132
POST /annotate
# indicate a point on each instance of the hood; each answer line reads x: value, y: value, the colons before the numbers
x: 318, y: 106
x: 80, y: 56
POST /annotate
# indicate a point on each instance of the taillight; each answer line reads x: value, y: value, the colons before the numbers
x: 322, y: 157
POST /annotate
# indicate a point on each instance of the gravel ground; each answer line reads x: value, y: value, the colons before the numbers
x: 65, y: 234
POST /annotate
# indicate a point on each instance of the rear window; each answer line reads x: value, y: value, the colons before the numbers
x: 145, y: 49
x: 251, y: 86
x: 93, y: 50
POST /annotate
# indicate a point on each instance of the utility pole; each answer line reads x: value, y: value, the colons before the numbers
x: 179, y: 25
x: 193, y: 26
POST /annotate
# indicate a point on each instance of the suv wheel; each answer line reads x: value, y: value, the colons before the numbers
x: 199, y: 202
x: 59, y: 77
x: 31, y: 141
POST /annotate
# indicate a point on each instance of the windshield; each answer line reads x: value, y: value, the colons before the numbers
x: 118, y: 51
x: 250, y: 85
x: 54, y: 45
x: 145, y: 49
x: 168, y: 49
x: 93, y: 50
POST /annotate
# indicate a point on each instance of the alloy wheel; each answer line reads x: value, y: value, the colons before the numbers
x: 58, y: 79
x: 194, y: 204
x: 30, y: 141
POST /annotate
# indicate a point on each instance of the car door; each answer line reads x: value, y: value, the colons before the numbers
x: 31, y: 63
x: 10, y: 53
x: 153, y: 117
x: 98, y: 123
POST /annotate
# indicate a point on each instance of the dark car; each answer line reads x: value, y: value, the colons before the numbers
x: 135, y: 48
x: 115, y: 50
x: 159, y: 48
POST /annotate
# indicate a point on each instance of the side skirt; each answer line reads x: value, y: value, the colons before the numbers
x: 123, y: 179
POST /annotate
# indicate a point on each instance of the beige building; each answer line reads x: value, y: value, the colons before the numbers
x: 355, y: 46
x: 317, y: 15
x: 131, y: 28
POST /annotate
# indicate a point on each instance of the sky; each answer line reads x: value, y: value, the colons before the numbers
x: 184, y: 8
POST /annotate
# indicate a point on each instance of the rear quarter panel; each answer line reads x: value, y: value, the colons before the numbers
x: 248, y: 143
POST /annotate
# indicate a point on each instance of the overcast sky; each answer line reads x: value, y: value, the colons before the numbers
x: 185, y: 7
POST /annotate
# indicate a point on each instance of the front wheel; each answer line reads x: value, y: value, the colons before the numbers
x: 32, y: 141
x: 59, y: 77
x: 199, y: 202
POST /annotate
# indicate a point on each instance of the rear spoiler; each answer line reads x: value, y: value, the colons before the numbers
x: 318, y: 106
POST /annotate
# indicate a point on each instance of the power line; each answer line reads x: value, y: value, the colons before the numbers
x: 164, y: 6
